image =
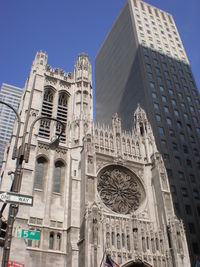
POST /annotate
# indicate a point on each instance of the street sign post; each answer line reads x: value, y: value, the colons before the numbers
x: 15, y: 198
x: 30, y: 234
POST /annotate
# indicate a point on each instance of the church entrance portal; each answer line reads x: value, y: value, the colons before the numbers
x: 136, y: 264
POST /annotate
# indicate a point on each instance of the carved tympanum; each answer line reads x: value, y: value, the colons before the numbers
x: 120, y: 189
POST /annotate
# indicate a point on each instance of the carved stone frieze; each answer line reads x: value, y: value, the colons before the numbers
x: 120, y: 189
x: 50, y: 80
x: 34, y: 112
x: 100, y: 164
x: 64, y: 84
x: 61, y: 151
x: 43, y: 146
x: 119, y: 160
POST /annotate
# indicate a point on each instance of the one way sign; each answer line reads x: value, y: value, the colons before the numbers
x: 15, y: 198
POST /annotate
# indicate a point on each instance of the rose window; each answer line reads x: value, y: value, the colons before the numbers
x: 120, y: 189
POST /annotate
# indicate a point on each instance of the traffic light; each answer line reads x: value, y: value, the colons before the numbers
x: 3, y: 228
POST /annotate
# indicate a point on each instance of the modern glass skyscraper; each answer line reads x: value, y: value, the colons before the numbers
x: 142, y: 60
x: 11, y: 95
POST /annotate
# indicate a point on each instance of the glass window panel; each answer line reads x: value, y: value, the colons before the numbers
x: 39, y: 172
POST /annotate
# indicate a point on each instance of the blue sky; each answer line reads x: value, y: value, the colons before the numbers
x: 66, y: 28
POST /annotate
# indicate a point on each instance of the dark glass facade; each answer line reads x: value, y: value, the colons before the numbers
x: 128, y: 73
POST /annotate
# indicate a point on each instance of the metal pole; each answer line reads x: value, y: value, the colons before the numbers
x: 12, y: 212
x: 13, y: 209
x: 31, y: 131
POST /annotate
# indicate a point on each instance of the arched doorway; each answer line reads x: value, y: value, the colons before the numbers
x: 137, y: 263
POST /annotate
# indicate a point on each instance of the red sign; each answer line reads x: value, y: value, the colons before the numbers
x: 15, y: 264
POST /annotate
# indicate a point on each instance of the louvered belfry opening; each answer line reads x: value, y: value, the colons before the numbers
x: 47, y: 108
x: 62, y: 114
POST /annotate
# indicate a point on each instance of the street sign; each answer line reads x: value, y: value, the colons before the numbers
x: 15, y: 264
x: 30, y: 234
x: 15, y: 198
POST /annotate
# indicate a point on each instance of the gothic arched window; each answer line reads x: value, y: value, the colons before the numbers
x: 58, y: 175
x: 118, y: 241
x: 62, y: 112
x: 58, y: 241
x: 147, y: 239
x: 47, y: 108
x: 128, y: 242
x: 113, y: 238
x: 157, y: 246
x: 40, y: 172
x: 51, y: 240
x: 123, y: 240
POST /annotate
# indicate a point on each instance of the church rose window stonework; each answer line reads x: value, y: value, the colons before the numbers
x: 120, y: 189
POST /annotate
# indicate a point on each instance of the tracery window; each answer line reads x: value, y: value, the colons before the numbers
x: 47, y: 108
x: 62, y: 112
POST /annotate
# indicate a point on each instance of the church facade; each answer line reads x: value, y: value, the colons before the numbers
x: 102, y: 192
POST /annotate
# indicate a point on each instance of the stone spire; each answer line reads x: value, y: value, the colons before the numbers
x: 40, y: 61
x: 83, y: 69
x: 141, y: 123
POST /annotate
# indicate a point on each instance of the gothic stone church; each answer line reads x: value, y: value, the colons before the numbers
x: 102, y: 191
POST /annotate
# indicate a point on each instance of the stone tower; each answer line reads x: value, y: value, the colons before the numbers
x: 101, y: 191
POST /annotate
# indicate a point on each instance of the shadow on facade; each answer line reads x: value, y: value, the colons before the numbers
x: 155, y: 78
